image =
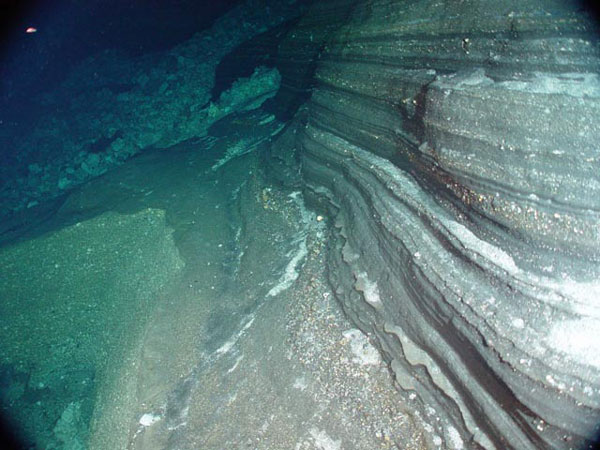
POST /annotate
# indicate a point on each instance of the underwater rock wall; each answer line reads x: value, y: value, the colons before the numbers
x: 455, y: 146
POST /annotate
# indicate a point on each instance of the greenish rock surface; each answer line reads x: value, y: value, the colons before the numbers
x: 74, y: 303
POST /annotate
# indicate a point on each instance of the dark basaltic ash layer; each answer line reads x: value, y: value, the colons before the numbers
x: 456, y: 146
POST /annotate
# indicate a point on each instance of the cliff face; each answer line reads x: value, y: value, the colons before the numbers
x: 455, y: 146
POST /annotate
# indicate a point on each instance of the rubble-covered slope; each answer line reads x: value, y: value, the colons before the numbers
x: 456, y: 145
x: 112, y: 106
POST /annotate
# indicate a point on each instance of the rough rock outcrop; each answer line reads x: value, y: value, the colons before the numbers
x: 455, y: 145
x: 113, y: 106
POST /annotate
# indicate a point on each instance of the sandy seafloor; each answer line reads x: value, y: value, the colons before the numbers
x: 179, y: 302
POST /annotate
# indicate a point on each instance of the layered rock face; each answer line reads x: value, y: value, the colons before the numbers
x: 455, y: 145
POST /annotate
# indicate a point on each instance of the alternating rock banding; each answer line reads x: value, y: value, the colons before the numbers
x: 456, y: 145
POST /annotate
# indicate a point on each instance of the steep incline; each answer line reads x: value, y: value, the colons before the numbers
x: 456, y: 145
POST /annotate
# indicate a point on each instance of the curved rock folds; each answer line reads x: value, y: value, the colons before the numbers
x: 456, y: 144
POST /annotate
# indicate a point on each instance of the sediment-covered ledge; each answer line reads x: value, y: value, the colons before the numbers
x: 456, y: 146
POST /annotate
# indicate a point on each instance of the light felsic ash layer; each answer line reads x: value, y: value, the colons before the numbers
x: 456, y: 145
